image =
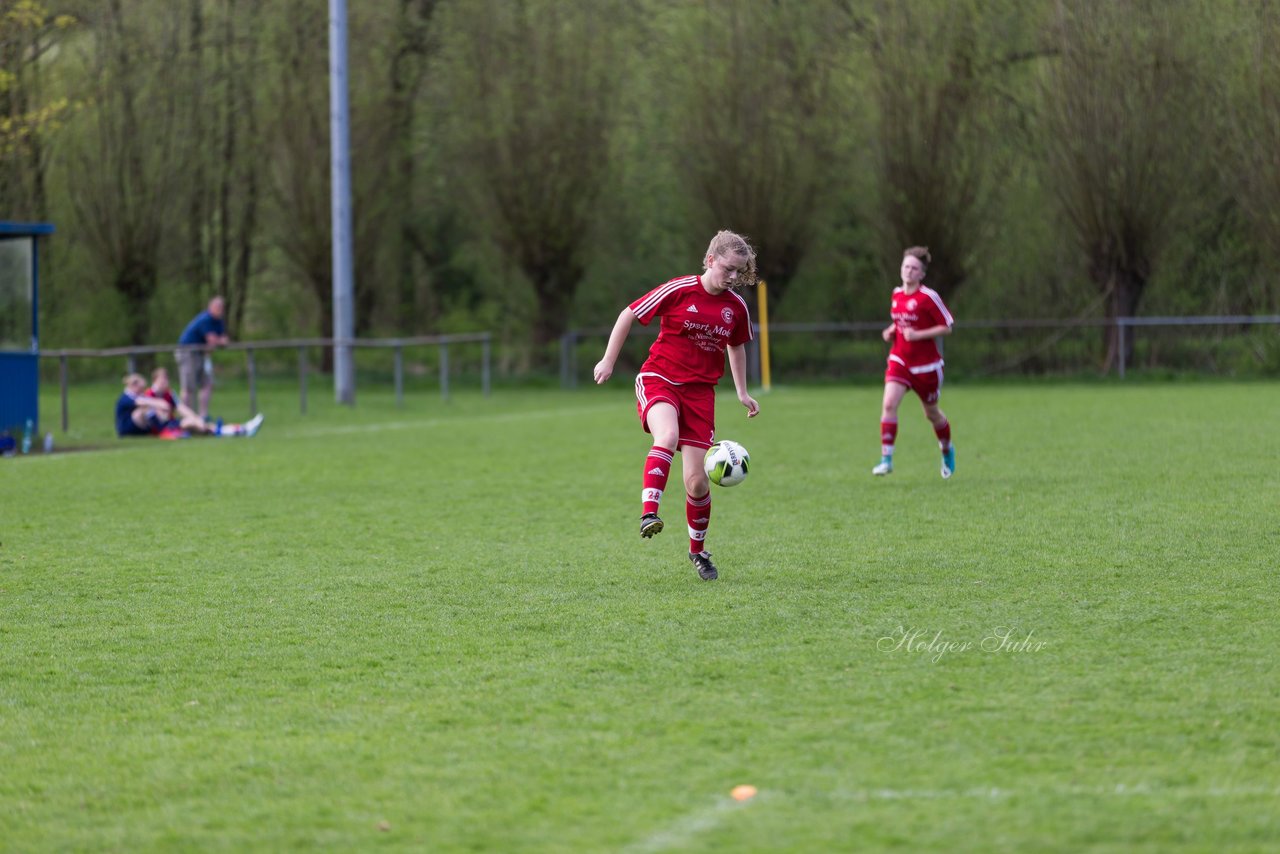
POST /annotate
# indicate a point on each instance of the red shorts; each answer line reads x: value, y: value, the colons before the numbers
x: 927, y: 384
x: 695, y: 405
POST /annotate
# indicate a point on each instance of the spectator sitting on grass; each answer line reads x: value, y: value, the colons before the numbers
x: 137, y: 414
x: 142, y: 411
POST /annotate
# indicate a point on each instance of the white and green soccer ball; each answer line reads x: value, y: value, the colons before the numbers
x: 726, y: 463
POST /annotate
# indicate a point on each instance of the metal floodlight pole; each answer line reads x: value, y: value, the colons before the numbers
x: 344, y: 373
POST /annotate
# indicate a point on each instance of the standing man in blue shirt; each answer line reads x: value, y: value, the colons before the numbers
x: 195, y: 367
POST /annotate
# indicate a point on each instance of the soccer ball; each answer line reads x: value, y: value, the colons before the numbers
x: 726, y: 463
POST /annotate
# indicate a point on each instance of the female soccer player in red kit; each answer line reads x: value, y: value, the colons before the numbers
x: 701, y: 320
x: 915, y: 363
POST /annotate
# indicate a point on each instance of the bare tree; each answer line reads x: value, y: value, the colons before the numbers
x: 753, y: 122
x: 126, y: 168
x: 936, y: 74
x: 220, y: 74
x: 415, y: 45
x: 1252, y: 99
x: 242, y: 148
x: 1120, y: 132
x: 531, y: 97
x: 300, y: 155
x: 198, y: 273
x: 299, y: 178
x: 27, y: 116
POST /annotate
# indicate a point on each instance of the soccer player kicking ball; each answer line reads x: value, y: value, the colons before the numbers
x: 701, y: 319
x: 915, y: 363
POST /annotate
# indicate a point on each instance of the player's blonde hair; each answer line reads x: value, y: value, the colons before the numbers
x: 920, y: 253
x: 729, y: 243
x: 134, y: 379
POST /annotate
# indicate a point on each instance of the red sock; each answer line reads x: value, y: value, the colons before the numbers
x: 697, y: 511
x: 944, y: 435
x: 657, y: 467
x: 888, y: 435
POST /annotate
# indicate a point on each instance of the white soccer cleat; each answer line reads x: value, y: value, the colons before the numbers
x: 252, y: 425
x: 885, y: 467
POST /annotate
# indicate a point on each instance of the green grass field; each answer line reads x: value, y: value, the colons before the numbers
x: 436, y: 629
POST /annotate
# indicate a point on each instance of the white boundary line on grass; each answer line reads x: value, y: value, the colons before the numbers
x: 1119, y: 790
x: 683, y: 830
x: 306, y: 431
x: 73, y: 454
x: 680, y: 832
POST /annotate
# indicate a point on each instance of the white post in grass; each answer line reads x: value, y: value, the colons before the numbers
x: 344, y: 324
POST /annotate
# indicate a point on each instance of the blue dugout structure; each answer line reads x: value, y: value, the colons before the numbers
x: 20, y: 324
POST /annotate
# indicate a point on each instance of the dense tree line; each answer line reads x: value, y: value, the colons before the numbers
x: 526, y: 166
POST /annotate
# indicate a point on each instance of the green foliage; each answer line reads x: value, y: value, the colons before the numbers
x: 383, y: 629
x: 538, y: 164
x: 1122, y: 135
x: 1247, y: 112
x: 34, y: 108
x: 938, y: 78
x: 530, y: 95
x: 753, y: 117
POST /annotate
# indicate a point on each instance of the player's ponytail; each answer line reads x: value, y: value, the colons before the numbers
x: 920, y: 253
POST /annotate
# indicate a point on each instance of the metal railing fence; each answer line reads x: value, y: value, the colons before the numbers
x: 570, y: 368
x: 301, y: 345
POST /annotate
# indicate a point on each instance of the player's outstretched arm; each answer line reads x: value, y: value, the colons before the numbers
x: 621, y: 328
x: 738, y: 370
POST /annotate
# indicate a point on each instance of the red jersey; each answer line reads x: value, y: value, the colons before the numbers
x: 696, y: 329
x: 921, y: 310
x: 167, y: 397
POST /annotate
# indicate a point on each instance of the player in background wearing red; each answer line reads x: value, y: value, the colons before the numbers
x: 181, y: 421
x: 701, y: 320
x: 915, y: 364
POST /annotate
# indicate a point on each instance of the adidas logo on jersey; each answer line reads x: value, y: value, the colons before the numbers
x: 692, y: 308
x: 656, y: 470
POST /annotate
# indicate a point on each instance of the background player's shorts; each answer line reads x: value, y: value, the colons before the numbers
x: 695, y: 405
x: 192, y: 372
x: 927, y: 385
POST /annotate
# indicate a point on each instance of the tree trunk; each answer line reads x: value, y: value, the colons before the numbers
x: 136, y: 282
x: 198, y: 277
x: 247, y: 228
x: 1125, y: 287
x: 326, y: 326
x: 555, y: 297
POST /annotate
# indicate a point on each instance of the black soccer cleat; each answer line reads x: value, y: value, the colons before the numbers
x: 650, y: 524
x: 706, y: 569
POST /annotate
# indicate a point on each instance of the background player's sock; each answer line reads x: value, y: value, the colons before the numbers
x: 697, y: 511
x: 888, y: 435
x: 944, y: 435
